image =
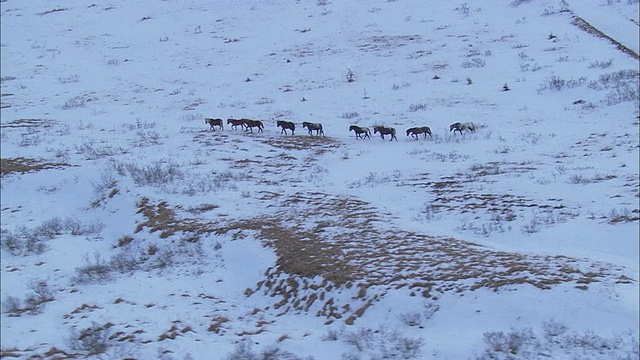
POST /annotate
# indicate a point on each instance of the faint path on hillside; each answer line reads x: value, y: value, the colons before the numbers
x: 624, y: 34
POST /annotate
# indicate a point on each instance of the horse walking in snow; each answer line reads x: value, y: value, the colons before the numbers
x: 313, y: 126
x: 235, y: 123
x: 383, y: 130
x: 360, y: 130
x: 460, y: 127
x: 213, y: 123
x: 250, y: 124
x: 415, y: 131
x: 286, y: 125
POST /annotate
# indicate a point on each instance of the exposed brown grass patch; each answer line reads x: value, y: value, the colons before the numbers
x: 28, y: 123
x: 319, y: 144
x: 24, y: 165
x: 160, y: 217
x: 216, y: 325
x: 363, y: 254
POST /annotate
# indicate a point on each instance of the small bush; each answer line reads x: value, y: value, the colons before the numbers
x: 474, y: 63
x: 69, y: 79
x: 92, y: 151
x: 74, y: 103
x: 32, y: 241
x: 33, y: 303
x: 601, y: 64
x: 94, y: 270
x: 557, y: 342
x: 417, y: 107
x: 12, y: 305
x: 411, y: 319
x: 244, y: 351
x: 623, y: 93
x: 553, y: 330
x: 557, y: 83
x: 351, y: 77
x: 547, y: 218
x: 384, y: 344
x: 530, y: 137
x: 513, y: 342
x: 615, y: 79
x: 375, y: 179
x: 331, y: 335
x: 157, y: 173
x: 93, y: 340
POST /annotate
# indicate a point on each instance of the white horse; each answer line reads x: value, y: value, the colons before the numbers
x: 460, y: 127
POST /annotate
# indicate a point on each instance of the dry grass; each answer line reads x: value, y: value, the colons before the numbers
x: 160, y: 217
x: 319, y: 144
x: 349, y: 245
x: 326, y: 243
x: 29, y: 123
x: 24, y: 165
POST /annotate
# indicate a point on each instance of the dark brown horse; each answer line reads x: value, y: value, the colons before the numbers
x: 235, y: 123
x: 383, y: 130
x: 360, y: 130
x: 415, y: 131
x: 250, y: 124
x: 460, y: 127
x: 213, y: 123
x: 313, y: 126
x: 286, y: 125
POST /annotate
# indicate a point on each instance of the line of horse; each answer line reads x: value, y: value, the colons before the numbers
x: 415, y: 132
x: 361, y: 132
x: 249, y: 125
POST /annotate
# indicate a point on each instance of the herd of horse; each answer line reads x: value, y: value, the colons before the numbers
x: 360, y: 131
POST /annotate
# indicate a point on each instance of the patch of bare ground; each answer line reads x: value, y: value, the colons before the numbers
x: 318, y: 144
x: 29, y: 123
x: 24, y: 165
x: 337, y: 256
x: 160, y: 217
x: 289, y: 159
x: 346, y: 245
x: 51, y: 353
x: 388, y: 42
x: 452, y: 194
x: 211, y: 138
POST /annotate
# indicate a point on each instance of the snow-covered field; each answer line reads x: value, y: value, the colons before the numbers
x: 131, y: 229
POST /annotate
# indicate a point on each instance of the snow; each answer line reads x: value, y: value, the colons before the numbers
x: 319, y: 247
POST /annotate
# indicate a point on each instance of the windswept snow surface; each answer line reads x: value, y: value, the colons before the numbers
x: 130, y: 229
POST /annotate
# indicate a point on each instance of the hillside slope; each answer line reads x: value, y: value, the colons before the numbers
x: 131, y: 229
